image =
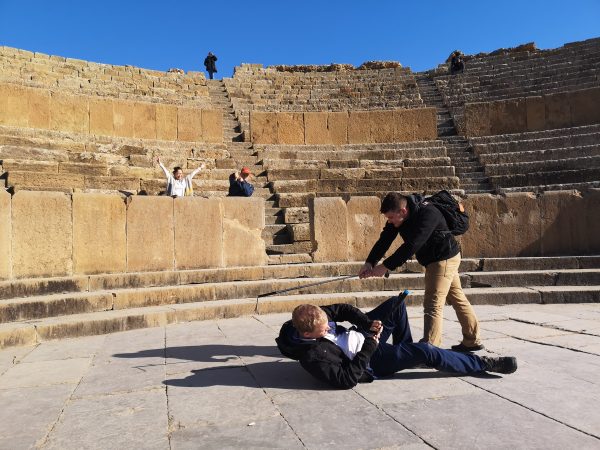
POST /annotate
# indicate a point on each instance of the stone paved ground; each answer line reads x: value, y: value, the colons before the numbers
x: 223, y: 384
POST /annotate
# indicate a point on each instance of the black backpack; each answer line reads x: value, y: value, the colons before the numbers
x: 453, y: 211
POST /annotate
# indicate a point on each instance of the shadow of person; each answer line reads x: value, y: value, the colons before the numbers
x: 232, y: 365
x: 279, y: 374
x: 204, y: 353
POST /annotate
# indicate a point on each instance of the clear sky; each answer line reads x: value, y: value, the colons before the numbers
x: 163, y: 34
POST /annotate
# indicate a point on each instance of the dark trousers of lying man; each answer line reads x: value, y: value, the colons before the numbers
x: 344, y: 357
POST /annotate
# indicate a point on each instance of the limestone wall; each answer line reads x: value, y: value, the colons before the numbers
x: 346, y: 127
x: 558, y: 223
x: 546, y: 112
x: 47, y: 234
x: 29, y: 107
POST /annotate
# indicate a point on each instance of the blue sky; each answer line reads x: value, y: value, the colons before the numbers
x: 161, y: 34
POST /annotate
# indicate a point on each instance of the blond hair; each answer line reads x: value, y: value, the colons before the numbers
x: 306, y: 317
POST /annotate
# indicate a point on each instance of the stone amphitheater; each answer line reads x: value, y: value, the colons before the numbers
x: 89, y: 248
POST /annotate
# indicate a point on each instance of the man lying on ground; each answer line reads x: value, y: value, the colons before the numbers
x: 343, y: 357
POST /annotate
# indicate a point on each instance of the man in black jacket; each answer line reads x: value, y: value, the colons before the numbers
x: 426, y: 235
x: 209, y: 63
x: 343, y: 358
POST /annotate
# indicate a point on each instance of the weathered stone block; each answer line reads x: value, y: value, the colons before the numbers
x: 477, y: 119
x: 584, y: 107
x: 166, y: 122
x: 563, y: 230
x: 329, y: 229
x: 381, y: 126
x: 144, y: 120
x: 589, y: 231
x: 558, y: 110
x: 212, y: 126
x: 38, y: 107
x: 13, y: 105
x: 263, y: 127
x: 290, y: 128
x: 150, y: 243
x: 295, y: 215
x: 198, y: 233
x: 99, y: 239
x: 482, y: 237
x: 101, y: 116
x: 42, y: 234
x: 5, y: 235
x: 518, y: 225
x: 536, y: 113
x: 189, y: 124
x: 363, y: 219
x: 243, y: 223
x: 299, y: 231
x: 424, y: 121
x: 508, y: 116
x: 315, y: 128
x: 359, y: 127
x: 403, y: 126
x: 337, y: 124
x: 69, y: 113
x: 46, y: 181
x: 123, y: 118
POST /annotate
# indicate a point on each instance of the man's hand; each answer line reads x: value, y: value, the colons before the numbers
x: 158, y: 159
x: 376, y: 326
x: 365, y: 270
x: 378, y: 271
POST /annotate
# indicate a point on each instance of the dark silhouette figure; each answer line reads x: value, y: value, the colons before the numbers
x: 457, y: 64
x: 209, y: 63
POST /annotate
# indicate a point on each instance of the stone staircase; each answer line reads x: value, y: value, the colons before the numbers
x: 34, y: 310
x: 219, y: 98
x: 276, y: 235
x: 467, y: 166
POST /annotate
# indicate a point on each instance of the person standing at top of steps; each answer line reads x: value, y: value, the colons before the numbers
x: 177, y: 184
x: 425, y: 233
x: 239, y: 184
x: 344, y: 357
x: 209, y: 63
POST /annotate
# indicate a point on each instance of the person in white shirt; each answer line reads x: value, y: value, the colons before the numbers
x: 177, y: 184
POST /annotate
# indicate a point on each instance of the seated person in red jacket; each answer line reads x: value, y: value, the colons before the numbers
x: 239, y: 183
x: 344, y: 357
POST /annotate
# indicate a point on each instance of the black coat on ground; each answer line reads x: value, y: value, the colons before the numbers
x: 325, y: 360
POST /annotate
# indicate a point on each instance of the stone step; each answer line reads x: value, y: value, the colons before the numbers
x: 88, y: 324
x: 116, y: 299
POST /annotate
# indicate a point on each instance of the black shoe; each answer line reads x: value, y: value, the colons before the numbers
x: 463, y: 348
x: 502, y: 364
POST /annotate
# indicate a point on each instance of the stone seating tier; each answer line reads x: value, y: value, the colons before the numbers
x: 554, y: 159
x: 270, y: 90
x: 34, y: 310
x: 498, y: 77
x: 89, y: 78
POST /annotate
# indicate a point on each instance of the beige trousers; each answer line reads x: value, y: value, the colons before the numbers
x: 442, y: 284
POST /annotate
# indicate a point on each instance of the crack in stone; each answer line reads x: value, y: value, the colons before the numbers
x: 553, y: 327
x: 531, y: 409
x: 166, y: 388
x: 394, y: 419
x: 273, y: 403
x: 43, y: 441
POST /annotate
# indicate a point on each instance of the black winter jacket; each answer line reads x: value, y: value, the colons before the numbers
x: 425, y: 234
x: 325, y: 360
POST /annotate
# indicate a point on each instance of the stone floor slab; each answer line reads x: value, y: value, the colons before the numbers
x: 134, y: 420
x: 28, y: 413
x: 264, y: 433
x: 45, y: 373
x: 484, y: 421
